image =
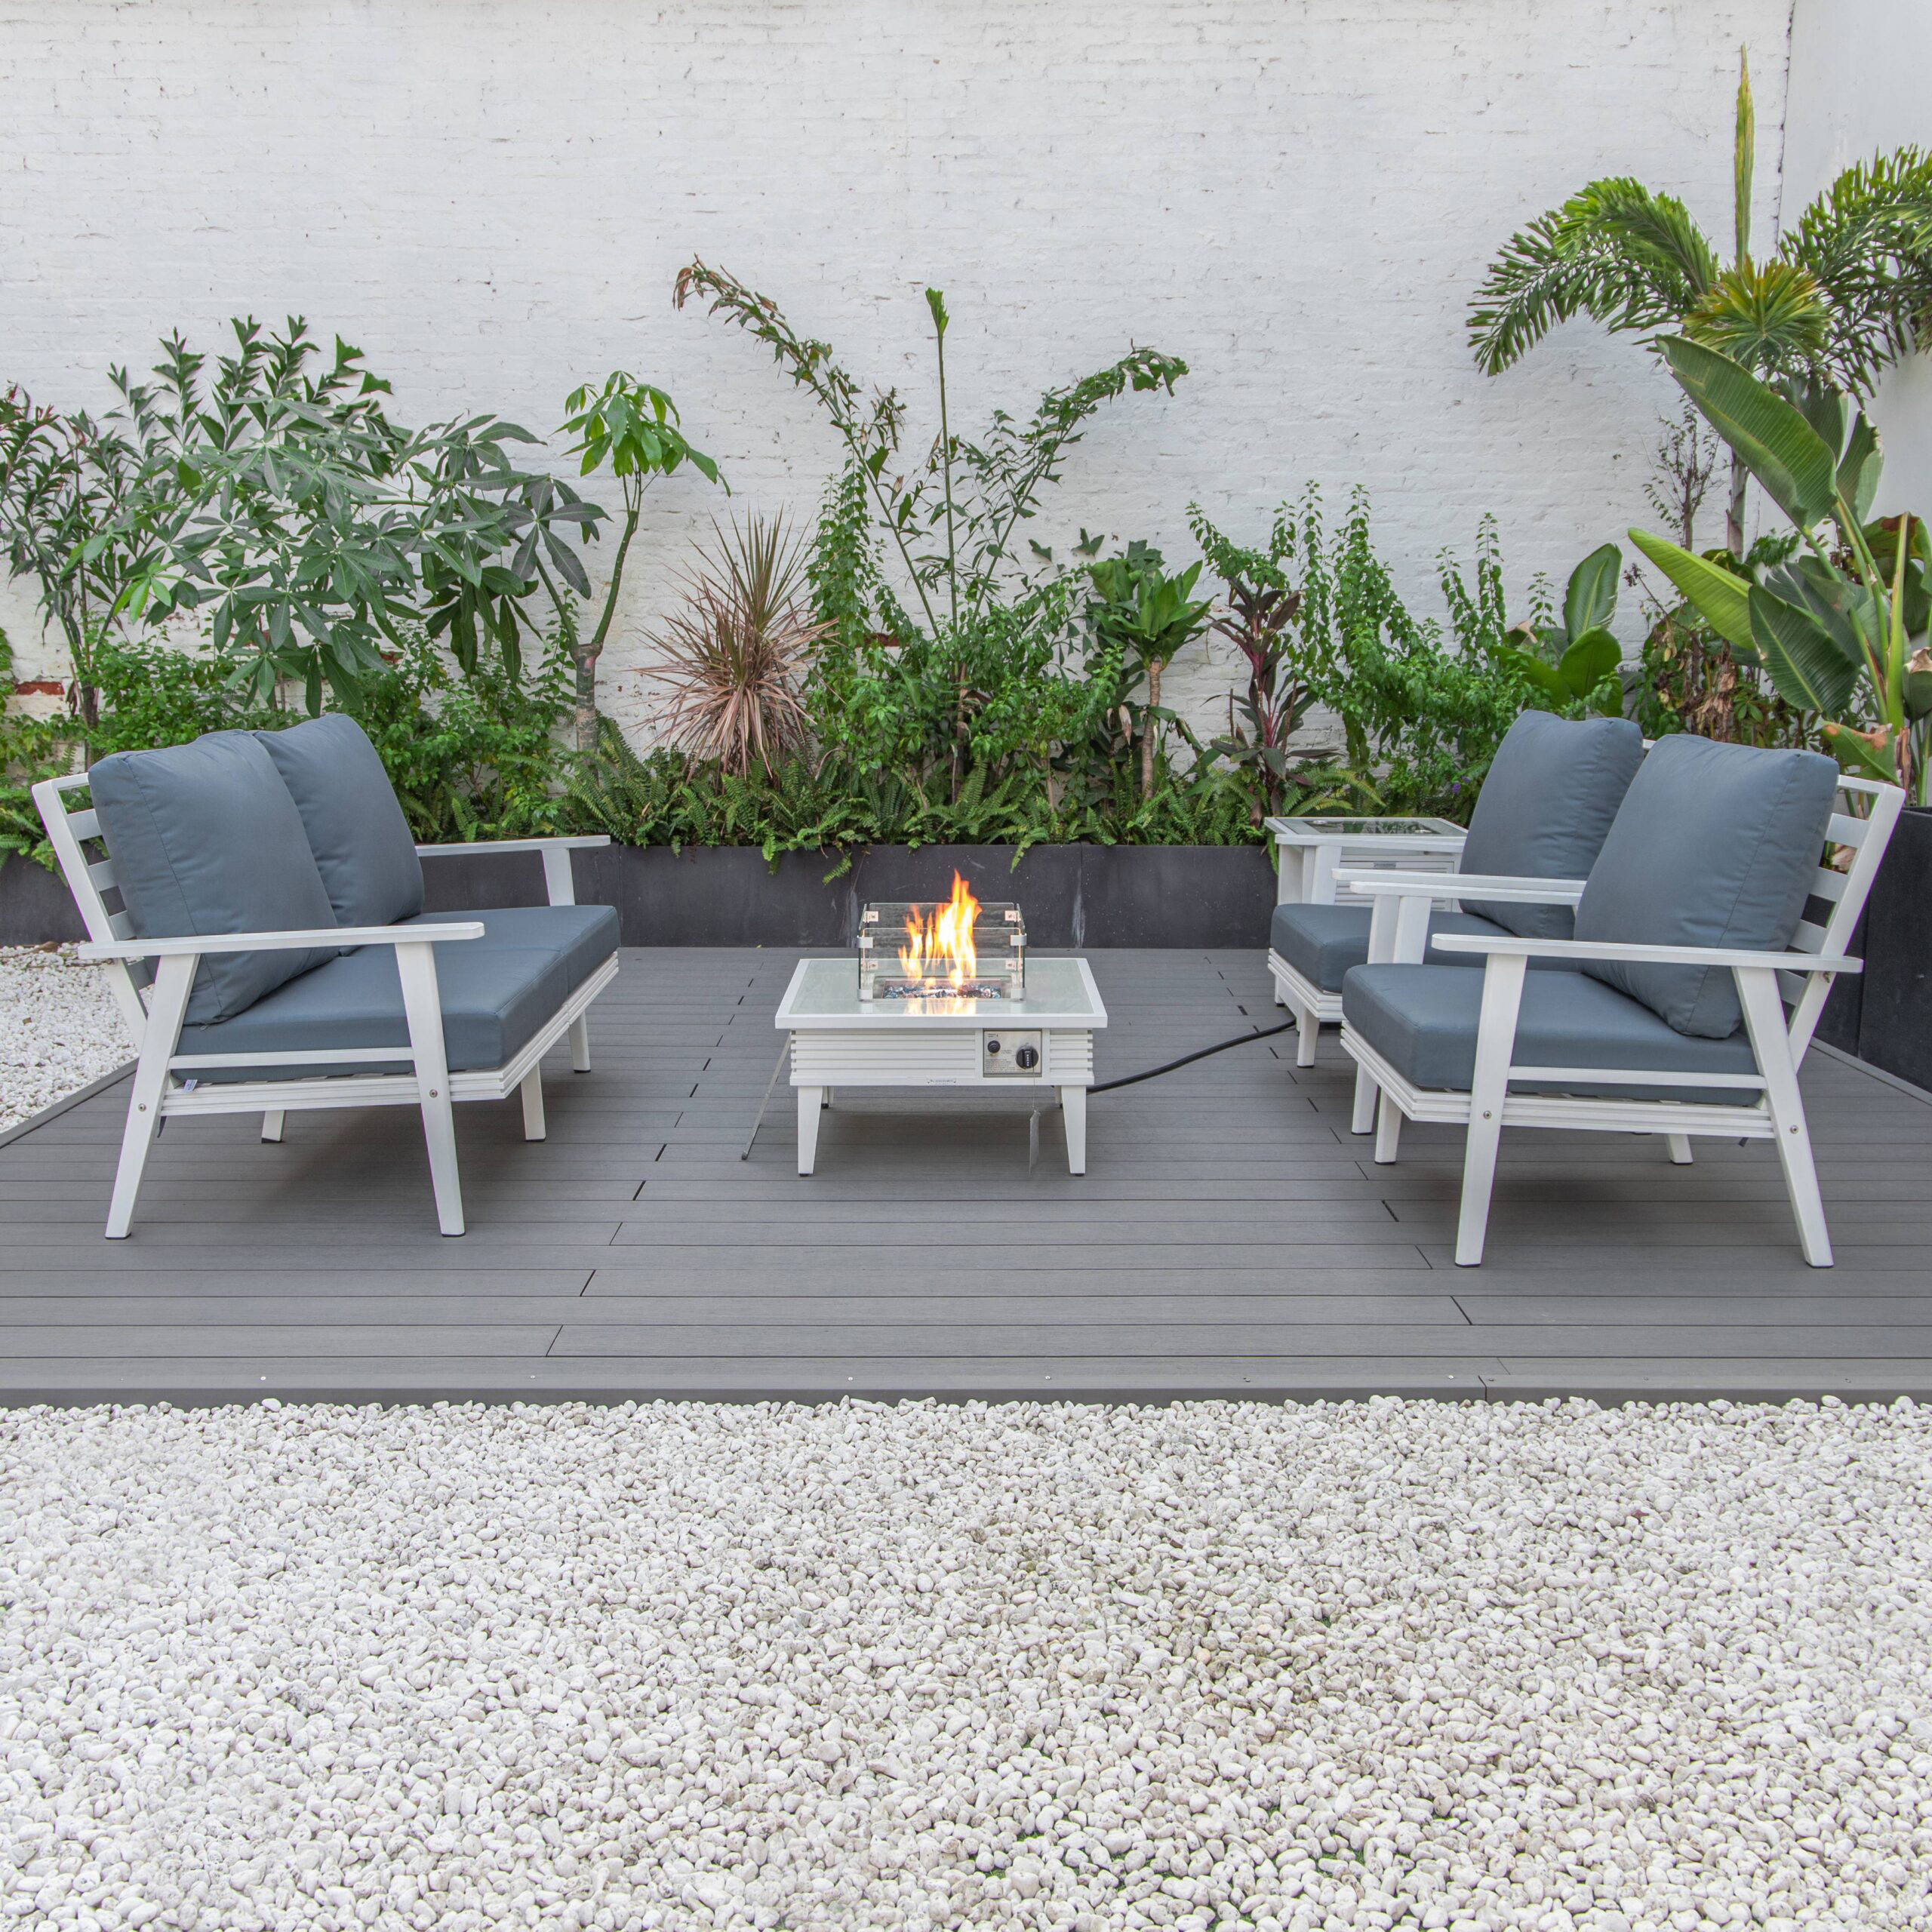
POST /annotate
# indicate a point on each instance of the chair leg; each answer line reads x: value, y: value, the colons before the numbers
x: 1496, y: 1041
x: 1363, y: 1119
x: 1306, y: 1029
x: 415, y: 966
x: 272, y: 1124
x: 1388, y: 1131
x: 532, y: 1089
x: 580, y: 1044
x: 173, y: 976
x: 1765, y: 1021
x: 1680, y: 1148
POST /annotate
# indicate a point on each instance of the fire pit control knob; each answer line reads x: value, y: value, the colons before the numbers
x: 1028, y: 1057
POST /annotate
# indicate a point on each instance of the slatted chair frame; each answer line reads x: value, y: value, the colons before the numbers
x: 1783, y: 996
x: 166, y: 1082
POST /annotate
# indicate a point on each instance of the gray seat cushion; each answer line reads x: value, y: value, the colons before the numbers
x: 1545, y: 809
x: 1715, y: 845
x: 1322, y: 942
x: 363, y: 846
x: 1423, y: 1020
x: 586, y: 935
x: 204, y: 838
x: 495, y: 996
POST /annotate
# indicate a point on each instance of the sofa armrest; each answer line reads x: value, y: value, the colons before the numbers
x: 559, y: 884
x: 193, y: 944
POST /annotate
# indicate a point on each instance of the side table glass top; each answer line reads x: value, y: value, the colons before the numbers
x: 1315, y: 831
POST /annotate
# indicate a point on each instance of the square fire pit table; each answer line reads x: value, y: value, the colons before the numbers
x: 1043, y: 1041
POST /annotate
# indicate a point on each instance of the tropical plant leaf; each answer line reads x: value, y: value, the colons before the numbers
x: 1589, y: 660
x: 1779, y: 447
x: 1859, y: 468
x: 1720, y: 599
x: 1805, y: 660
x: 1591, y: 599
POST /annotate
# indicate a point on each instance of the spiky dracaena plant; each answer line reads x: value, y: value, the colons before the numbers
x: 733, y: 654
x: 1848, y: 291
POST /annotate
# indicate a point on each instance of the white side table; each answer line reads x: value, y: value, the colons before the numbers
x: 1312, y: 848
x: 1043, y: 1041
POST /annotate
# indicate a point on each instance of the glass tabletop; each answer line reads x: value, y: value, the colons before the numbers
x: 1058, y: 992
x: 1309, y: 830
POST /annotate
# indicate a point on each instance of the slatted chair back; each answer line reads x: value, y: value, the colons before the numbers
x: 1861, y: 824
x: 91, y: 881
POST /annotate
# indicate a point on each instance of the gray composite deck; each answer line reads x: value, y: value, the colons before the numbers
x: 1231, y: 1238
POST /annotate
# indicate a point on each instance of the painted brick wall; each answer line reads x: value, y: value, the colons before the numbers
x: 492, y: 197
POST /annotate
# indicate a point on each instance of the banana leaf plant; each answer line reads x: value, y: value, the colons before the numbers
x: 1143, y: 617
x: 1575, y: 663
x: 1841, y: 627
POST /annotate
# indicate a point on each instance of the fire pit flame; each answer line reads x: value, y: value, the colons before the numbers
x: 941, y: 955
x: 938, y: 955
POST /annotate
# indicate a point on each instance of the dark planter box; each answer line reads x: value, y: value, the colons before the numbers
x: 1894, y: 992
x: 1072, y: 895
x: 35, y: 904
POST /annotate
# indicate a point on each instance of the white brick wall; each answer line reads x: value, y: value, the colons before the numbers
x: 492, y: 197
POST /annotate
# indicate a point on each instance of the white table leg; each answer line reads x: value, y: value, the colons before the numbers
x: 810, y: 1100
x: 1073, y: 1108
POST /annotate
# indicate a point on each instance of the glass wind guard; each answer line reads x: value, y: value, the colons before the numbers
x: 918, y: 948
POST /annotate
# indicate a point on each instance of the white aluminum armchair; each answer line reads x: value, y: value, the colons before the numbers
x: 168, y: 1082
x: 1783, y: 994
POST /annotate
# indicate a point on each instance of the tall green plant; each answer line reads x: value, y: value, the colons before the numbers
x: 1141, y: 618
x: 275, y: 497
x: 634, y: 428
x: 952, y: 518
x: 1848, y: 291
x: 1423, y: 710
x: 63, y: 479
x: 1572, y: 665
x: 1842, y: 627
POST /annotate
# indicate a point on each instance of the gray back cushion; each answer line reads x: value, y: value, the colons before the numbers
x: 1545, y: 808
x: 362, y: 843
x: 204, y: 838
x: 1716, y: 845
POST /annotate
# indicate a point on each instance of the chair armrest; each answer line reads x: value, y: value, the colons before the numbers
x: 1650, y: 955
x: 1461, y: 885
x: 197, y: 943
x: 577, y: 842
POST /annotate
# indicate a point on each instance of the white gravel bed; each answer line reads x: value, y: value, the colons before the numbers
x: 59, y: 1029
x: 1214, y: 1665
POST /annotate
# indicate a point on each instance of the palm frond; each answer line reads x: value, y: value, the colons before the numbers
x: 1772, y: 315
x: 1631, y: 260
x: 1867, y: 242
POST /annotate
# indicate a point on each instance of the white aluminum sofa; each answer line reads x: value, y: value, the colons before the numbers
x: 272, y: 952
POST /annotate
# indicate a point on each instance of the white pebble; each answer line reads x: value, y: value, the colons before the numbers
x: 1386, y: 1665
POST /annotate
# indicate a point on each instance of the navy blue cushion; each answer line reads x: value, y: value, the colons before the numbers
x: 1322, y: 942
x: 204, y: 838
x: 1545, y: 808
x: 363, y: 846
x: 1422, y: 1021
x: 1715, y: 845
x: 586, y: 936
x: 494, y: 994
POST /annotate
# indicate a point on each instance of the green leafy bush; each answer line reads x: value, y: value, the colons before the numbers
x: 1423, y: 710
